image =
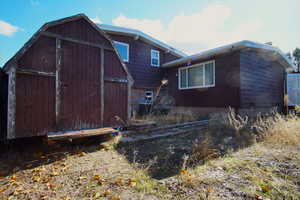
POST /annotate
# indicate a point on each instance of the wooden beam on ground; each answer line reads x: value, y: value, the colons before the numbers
x: 48, y: 34
x: 81, y: 134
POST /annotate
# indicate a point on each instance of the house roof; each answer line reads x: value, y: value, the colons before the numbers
x: 233, y: 47
x: 141, y: 35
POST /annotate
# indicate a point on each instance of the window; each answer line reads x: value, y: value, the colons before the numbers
x: 154, y: 58
x: 197, y: 76
x: 123, y: 50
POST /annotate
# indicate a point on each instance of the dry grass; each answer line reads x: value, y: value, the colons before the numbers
x: 172, y: 117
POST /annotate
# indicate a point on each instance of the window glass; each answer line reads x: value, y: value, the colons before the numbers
x: 209, y: 74
x: 183, y: 78
x: 123, y: 50
x: 195, y: 76
x: 154, y: 58
x: 200, y: 75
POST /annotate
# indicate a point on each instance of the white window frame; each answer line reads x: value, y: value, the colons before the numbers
x: 152, y: 64
x: 125, y: 44
x: 192, y: 66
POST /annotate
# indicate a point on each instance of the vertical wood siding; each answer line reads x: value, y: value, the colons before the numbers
x: 35, y: 105
x: 116, y: 96
x: 81, y: 91
x: 262, y: 80
x: 224, y: 94
x: 40, y: 57
x: 3, y: 104
x: 113, y: 66
x: 81, y: 30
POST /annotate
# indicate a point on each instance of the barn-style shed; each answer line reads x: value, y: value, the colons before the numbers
x: 68, y: 76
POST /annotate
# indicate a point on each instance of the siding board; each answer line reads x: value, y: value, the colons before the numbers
x: 262, y: 80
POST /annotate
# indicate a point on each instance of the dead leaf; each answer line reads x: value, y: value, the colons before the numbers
x: 115, y: 198
x: 51, y: 186
x: 36, y: 178
x: 13, y: 178
x: 265, y: 189
x: 132, y: 182
x: 54, y: 173
x: 2, y: 190
x: 106, y: 193
x: 46, y: 179
x: 119, y: 181
x: 183, y: 172
x: 80, y: 154
x: 97, y: 177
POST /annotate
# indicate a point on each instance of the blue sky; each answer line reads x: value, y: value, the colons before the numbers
x: 191, y: 26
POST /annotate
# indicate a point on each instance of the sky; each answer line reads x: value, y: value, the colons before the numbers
x: 188, y: 25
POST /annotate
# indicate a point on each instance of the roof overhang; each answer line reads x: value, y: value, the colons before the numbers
x: 283, y: 59
x: 136, y: 34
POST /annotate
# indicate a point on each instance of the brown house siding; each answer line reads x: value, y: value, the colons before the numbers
x: 224, y: 94
x: 3, y: 104
x: 262, y: 80
x: 139, y: 65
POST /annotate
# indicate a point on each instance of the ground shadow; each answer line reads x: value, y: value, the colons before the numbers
x: 163, y: 157
x: 29, y: 153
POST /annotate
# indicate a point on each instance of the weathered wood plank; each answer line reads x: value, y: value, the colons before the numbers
x: 11, y: 113
x: 58, y: 83
x: 34, y: 72
x: 102, y: 87
x: 48, y: 34
x: 81, y: 134
x: 113, y: 79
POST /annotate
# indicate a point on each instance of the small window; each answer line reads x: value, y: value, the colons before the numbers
x: 197, y: 76
x: 154, y: 58
x: 123, y: 50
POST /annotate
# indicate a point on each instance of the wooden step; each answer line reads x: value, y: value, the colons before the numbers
x: 70, y: 135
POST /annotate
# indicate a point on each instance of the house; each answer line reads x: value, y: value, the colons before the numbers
x: 243, y: 75
x: 73, y: 74
x: 68, y: 76
x: 143, y: 56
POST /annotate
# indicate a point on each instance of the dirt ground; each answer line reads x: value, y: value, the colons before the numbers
x: 147, y: 170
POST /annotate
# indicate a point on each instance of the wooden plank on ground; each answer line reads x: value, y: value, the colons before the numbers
x: 80, y: 134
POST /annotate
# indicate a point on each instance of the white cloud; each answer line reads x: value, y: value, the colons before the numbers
x: 34, y: 2
x: 96, y: 20
x: 194, y: 32
x: 7, y: 29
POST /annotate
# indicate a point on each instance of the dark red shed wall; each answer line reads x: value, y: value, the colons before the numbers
x: 224, y: 94
x: 80, y: 78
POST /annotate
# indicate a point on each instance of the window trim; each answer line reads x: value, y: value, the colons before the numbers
x: 152, y: 64
x: 125, y: 44
x: 197, y: 65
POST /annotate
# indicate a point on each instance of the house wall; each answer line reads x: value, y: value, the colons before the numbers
x: 61, y: 85
x: 3, y: 104
x: 145, y: 76
x: 262, y: 80
x: 225, y: 93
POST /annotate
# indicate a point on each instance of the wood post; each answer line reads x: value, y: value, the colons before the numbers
x: 11, y: 112
x: 58, y: 83
x: 102, y: 87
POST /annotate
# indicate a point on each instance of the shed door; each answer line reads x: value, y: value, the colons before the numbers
x: 80, y: 87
